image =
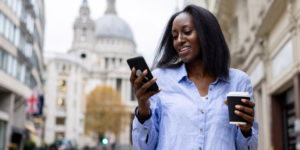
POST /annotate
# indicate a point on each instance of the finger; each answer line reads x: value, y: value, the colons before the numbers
x: 245, y: 116
x: 243, y: 125
x: 226, y: 102
x: 150, y: 94
x: 132, y: 75
x: 245, y: 109
x: 139, y: 79
x: 146, y: 95
x: 148, y: 84
x: 153, y: 92
x: 248, y: 102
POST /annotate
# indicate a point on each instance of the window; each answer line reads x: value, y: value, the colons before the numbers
x: 17, y: 37
x: 14, y: 67
x: 59, y: 135
x: 28, y: 50
x: 1, y: 53
x: 63, y: 67
x: 27, y: 77
x: 119, y: 84
x: 7, y: 28
x: 106, y: 62
x: 19, y: 8
x: 1, y: 24
x: 62, y: 85
x: 61, y: 102
x: 83, y: 36
x: 283, y: 120
x: 289, y: 133
x: 83, y: 56
x: 4, y: 61
x: 22, y: 73
x: 12, y: 33
x: 60, y: 120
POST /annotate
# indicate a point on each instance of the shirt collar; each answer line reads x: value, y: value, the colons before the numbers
x: 220, y: 79
x: 182, y: 73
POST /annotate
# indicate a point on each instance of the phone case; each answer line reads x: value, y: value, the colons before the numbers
x: 140, y: 65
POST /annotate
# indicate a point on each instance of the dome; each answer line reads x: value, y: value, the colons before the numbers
x: 112, y: 26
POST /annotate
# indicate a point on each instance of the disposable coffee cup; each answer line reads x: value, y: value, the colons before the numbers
x: 235, y: 98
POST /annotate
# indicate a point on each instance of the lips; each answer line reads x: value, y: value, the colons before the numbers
x: 184, y: 50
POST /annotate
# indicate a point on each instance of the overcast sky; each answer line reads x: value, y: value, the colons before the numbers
x: 147, y: 19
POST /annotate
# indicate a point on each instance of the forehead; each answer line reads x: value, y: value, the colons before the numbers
x: 182, y: 20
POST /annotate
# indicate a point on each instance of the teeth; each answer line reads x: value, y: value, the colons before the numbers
x: 185, y: 48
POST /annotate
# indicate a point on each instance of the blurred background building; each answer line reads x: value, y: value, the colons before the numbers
x: 97, y: 57
x: 263, y: 37
x: 22, y: 25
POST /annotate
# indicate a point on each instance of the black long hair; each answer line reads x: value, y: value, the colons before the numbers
x: 214, y: 52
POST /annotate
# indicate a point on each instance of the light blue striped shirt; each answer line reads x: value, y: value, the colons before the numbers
x: 182, y: 120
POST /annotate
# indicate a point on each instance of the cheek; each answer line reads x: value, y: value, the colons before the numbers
x: 175, y: 45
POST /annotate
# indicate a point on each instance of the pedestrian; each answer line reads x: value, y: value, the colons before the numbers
x: 189, y: 110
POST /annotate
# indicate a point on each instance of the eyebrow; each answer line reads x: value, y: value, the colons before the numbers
x: 184, y: 26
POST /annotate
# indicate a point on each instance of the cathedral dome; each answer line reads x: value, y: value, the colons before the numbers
x: 112, y: 26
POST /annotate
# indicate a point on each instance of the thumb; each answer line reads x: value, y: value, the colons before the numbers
x: 226, y: 102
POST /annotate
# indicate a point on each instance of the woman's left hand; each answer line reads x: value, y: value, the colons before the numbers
x: 246, y: 112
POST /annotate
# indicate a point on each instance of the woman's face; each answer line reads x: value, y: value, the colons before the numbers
x: 185, y: 40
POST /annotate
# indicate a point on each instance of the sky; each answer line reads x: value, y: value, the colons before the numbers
x: 147, y: 19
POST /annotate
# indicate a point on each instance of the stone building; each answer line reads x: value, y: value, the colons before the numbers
x: 22, y: 26
x: 263, y: 37
x: 97, y: 57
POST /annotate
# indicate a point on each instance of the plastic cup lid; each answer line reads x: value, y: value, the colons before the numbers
x: 238, y: 94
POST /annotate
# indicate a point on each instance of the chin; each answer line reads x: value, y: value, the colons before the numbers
x: 185, y: 60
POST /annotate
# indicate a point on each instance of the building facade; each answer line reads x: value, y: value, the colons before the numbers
x: 99, y: 51
x: 22, y: 26
x: 64, y: 99
x: 263, y: 37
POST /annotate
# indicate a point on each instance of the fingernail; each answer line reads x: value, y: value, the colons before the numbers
x: 145, y: 71
x: 237, y: 106
x: 237, y: 112
x: 243, y: 100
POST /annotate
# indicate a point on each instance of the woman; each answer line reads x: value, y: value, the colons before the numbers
x: 189, y: 112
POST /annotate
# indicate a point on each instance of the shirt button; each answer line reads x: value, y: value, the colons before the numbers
x: 202, y: 111
x: 145, y: 128
x: 206, y: 98
x: 201, y: 130
x: 210, y: 89
x: 200, y: 148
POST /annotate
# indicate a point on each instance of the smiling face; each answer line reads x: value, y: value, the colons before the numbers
x: 185, y: 40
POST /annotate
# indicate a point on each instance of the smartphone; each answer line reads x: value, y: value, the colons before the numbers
x: 140, y: 65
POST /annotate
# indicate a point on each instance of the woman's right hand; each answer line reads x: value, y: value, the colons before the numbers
x: 140, y: 92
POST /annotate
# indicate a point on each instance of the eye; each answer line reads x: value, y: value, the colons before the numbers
x: 188, y: 32
x: 175, y: 36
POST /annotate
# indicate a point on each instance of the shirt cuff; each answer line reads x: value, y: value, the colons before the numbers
x: 244, y: 139
x: 140, y: 118
x: 143, y: 128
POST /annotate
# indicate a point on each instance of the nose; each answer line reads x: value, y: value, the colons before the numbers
x: 181, y: 38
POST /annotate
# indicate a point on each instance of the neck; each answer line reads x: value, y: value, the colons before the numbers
x: 195, y: 70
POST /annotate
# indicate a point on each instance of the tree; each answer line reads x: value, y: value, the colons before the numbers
x: 105, y: 112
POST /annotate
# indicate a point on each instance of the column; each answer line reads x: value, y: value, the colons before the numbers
x: 10, y: 100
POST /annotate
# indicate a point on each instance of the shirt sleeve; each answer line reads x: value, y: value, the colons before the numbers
x: 145, y: 136
x: 251, y: 142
